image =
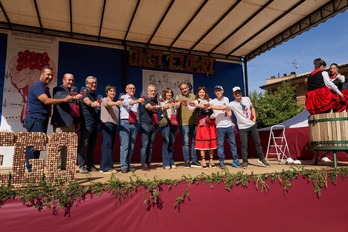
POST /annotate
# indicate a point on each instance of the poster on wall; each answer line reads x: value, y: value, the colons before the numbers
x: 27, y: 53
x: 165, y: 79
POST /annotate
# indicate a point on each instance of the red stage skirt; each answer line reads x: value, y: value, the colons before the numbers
x: 340, y: 105
x: 206, y: 138
x: 320, y: 101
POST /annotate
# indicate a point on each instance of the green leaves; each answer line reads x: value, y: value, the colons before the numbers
x: 275, y: 107
x: 63, y: 195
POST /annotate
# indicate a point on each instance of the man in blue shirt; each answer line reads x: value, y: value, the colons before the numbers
x: 39, y: 109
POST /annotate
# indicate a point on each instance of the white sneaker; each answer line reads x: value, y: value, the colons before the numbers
x: 325, y: 159
x: 289, y: 161
x: 297, y: 162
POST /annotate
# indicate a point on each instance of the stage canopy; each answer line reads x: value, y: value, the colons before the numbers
x: 232, y: 30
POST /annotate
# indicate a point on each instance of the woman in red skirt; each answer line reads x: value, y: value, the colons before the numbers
x: 339, y: 80
x: 206, y: 139
x: 323, y: 95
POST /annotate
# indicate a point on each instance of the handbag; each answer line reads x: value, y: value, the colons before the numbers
x: 174, y: 120
x: 163, y: 122
x: 132, y: 119
x: 154, y: 117
x: 75, y: 110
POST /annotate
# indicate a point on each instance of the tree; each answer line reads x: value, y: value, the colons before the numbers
x: 276, y: 107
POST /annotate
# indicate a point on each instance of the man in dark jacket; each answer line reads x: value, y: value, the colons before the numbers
x: 65, y: 115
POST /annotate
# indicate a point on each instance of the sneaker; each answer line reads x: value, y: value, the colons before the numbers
x: 187, y: 164
x: 195, y: 164
x: 131, y: 169
x: 222, y: 165
x: 83, y: 170
x: 236, y: 163
x: 289, y: 161
x: 263, y: 162
x: 167, y: 167
x: 245, y: 164
x: 124, y: 170
x: 325, y: 159
x: 173, y: 166
x: 92, y: 169
x: 110, y: 171
x: 146, y: 168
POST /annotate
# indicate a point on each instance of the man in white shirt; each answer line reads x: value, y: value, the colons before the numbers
x: 245, y: 114
x: 128, y: 126
x: 225, y: 127
x: 246, y: 120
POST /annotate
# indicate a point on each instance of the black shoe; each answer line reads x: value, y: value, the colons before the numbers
x: 245, y: 164
x: 187, y: 164
x: 92, y: 169
x: 146, y: 168
x: 263, y: 162
x: 195, y: 164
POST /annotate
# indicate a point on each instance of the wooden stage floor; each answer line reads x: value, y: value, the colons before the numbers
x: 254, y: 167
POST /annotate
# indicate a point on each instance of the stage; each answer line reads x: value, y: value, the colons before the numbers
x: 199, y: 199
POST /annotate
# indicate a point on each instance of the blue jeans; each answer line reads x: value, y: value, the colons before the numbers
x: 128, y: 135
x: 168, y: 138
x: 243, y: 133
x: 108, y: 135
x: 34, y: 125
x: 88, y: 137
x: 147, y: 138
x: 188, y: 132
x: 227, y: 132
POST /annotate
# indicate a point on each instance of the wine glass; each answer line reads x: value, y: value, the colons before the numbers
x: 120, y: 97
x: 142, y: 94
x: 176, y: 99
x: 206, y: 105
x: 99, y: 98
x: 184, y: 102
x: 83, y: 90
x: 73, y: 91
x: 160, y: 99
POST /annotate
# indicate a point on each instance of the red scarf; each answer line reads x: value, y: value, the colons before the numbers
x: 316, y: 70
x: 333, y: 76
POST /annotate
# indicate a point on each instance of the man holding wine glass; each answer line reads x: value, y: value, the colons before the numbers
x: 89, y: 121
x: 39, y: 108
x: 128, y: 126
x: 188, y: 125
x: 148, y: 124
x: 66, y: 115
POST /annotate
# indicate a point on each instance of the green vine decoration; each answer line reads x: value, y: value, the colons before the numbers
x: 65, y: 195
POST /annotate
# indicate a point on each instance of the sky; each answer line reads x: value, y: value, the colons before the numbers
x: 328, y: 40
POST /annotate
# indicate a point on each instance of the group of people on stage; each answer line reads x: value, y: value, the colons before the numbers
x: 203, y: 121
x: 327, y: 91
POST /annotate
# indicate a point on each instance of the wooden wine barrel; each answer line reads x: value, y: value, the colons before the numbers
x: 329, y: 129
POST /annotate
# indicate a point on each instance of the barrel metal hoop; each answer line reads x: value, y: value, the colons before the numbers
x: 316, y: 143
x: 327, y: 120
